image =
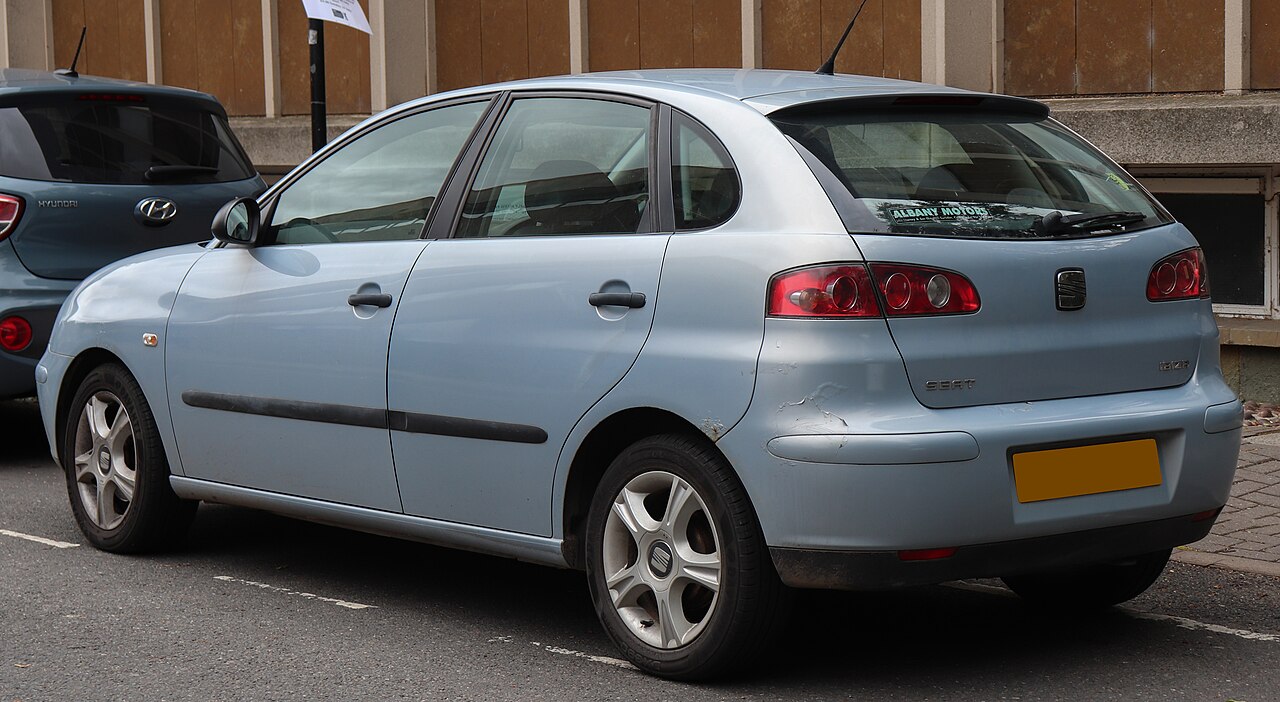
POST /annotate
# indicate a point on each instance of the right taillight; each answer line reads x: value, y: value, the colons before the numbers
x: 1181, y: 276
x: 10, y: 212
x: 854, y: 290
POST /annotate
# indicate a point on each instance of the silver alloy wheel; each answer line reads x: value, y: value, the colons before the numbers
x: 661, y: 558
x: 106, y: 470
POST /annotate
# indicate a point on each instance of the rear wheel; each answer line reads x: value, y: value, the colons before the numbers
x: 679, y: 573
x: 117, y: 474
x: 1093, y: 586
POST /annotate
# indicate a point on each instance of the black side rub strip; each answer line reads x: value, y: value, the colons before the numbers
x: 410, y: 422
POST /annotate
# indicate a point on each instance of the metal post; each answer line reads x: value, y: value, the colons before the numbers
x: 319, y: 130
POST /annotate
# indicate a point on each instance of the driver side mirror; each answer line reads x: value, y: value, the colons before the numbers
x: 238, y: 222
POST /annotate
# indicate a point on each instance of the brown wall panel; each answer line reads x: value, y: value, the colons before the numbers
x: 1113, y: 46
x: 504, y: 40
x: 548, y: 37
x: 863, y: 51
x: 666, y: 34
x: 1188, y: 49
x: 1040, y: 47
x: 717, y: 33
x: 1265, y: 50
x: 205, y: 47
x: 902, y: 40
x: 792, y: 34
x: 613, y: 31
x: 114, y: 45
x: 246, y: 48
x: 458, y: 44
x: 212, y: 34
x: 346, y: 58
x: 178, y: 53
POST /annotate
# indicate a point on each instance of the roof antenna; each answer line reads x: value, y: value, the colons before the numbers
x: 829, y: 68
x: 71, y: 72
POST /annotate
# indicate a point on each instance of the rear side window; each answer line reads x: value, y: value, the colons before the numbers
x: 561, y: 166
x: 84, y: 141
x: 969, y: 174
x: 704, y: 183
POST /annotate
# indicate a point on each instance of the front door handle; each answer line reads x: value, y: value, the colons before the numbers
x: 371, y: 299
x: 633, y: 300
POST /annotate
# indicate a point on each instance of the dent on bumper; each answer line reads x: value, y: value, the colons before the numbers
x: 871, y: 570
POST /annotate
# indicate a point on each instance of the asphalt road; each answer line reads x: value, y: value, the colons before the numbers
x: 259, y: 607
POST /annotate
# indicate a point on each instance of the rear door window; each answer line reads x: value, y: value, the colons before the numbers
x: 704, y: 184
x: 126, y: 140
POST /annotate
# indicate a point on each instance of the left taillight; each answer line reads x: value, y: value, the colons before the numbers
x: 1181, y: 276
x: 841, y: 290
x: 10, y: 213
x: 15, y: 334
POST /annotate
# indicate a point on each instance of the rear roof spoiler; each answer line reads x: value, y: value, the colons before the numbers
x: 945, y: 100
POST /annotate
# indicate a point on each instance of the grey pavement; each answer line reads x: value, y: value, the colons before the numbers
x: 1247, y: 534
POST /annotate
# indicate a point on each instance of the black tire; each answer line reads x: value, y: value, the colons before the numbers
x: 747, y: 611
x: 1090, y: 587
x: 152, y: 517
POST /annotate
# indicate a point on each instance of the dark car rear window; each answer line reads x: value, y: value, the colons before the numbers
x: 964, y: 174
x: 85, y: 141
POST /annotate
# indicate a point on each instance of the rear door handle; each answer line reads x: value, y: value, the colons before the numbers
x: 370, y: 299
x: 633, y: 300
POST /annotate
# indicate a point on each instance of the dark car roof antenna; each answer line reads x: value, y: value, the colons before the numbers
x: 829, y: 68
x: 71, y: 72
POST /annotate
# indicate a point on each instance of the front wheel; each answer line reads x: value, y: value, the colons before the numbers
x: 679, y: 572
x: 1092, y: 586
x: 117, y: 475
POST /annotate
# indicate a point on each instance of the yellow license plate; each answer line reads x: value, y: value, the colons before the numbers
x: 1086, y: 470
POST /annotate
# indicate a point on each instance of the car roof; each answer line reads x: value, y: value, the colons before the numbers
x: 22, y: 81
x: 764, y: 89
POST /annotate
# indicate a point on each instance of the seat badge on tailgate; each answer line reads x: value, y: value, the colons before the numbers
x: 1070, y: 288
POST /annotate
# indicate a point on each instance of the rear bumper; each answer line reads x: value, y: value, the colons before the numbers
x: 872, y: 570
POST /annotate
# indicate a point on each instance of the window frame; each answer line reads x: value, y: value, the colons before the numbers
x: 653, y: 220
x: 271, y: 197
x: 1259, y: 182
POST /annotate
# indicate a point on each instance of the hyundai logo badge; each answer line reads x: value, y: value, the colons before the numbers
x: 156, y: 211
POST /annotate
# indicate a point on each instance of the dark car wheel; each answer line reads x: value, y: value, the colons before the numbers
x: 679, y: 572
x: 117, y: 474
x: 1093, y: 586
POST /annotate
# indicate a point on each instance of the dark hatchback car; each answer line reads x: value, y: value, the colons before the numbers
x: 93, y: 170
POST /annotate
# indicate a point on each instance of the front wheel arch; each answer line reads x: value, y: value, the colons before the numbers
x: 84, y: 364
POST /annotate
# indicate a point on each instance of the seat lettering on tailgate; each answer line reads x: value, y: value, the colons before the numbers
x: 964, y: 384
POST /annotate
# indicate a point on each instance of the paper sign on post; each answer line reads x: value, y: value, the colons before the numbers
x: 346, y: 12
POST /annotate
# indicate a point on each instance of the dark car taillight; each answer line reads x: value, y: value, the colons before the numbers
x: 10, y: 213
x: 15, y: 334
x: 1181, y: 276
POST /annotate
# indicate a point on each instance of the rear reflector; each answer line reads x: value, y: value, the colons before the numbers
x: 10, y: 213
x: 926, y: 554
x: 15, y: 334
x: 1205, y: 516
x: 1182, y: 276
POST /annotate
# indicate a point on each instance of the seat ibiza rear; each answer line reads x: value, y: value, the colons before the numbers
x: 702, y: 334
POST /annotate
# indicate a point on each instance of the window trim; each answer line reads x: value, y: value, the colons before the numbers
x: 1260, y: 182
x: 649, y: 223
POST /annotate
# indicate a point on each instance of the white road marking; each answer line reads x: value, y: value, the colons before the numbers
x: 1182, y: 622
x: 38, y: 539
x: 615, y: 662
x: 295, y: 593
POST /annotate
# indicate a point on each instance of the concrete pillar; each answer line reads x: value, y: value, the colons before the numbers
x: 579, y: 58
x: 398, y: 51
x: 272, y: 96
x: 151, y: 36
x: 26, y: 34
x: 1237, y: 46
x: 958, y: 43
x: 752, y: 39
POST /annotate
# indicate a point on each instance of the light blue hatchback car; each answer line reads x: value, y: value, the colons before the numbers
x: 707, y: 335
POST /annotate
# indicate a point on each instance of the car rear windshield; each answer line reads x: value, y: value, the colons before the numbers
x: 132, y: 142
x: 964, y: 174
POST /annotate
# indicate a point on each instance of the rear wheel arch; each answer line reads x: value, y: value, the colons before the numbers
x: 602, y: 445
